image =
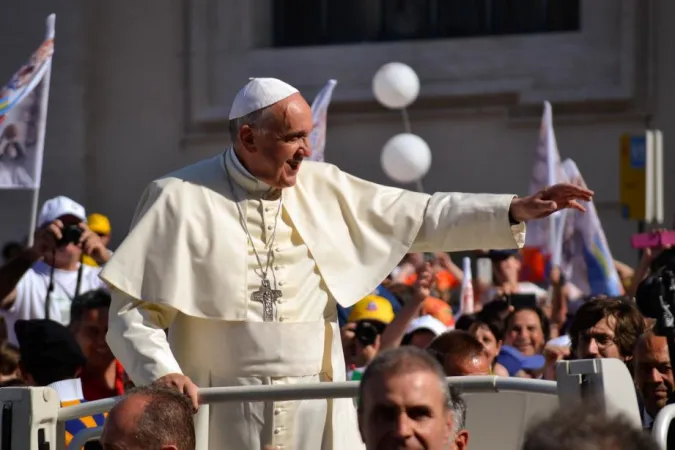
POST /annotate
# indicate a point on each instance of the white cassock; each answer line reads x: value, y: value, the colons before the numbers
x: 187, y: 266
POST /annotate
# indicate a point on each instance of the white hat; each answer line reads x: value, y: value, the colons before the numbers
x: 259, y: 93
x: 427, y: 323
x: 59, y: 207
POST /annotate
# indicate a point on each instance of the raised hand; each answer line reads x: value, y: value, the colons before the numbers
x: 548, y: 201
x: 425, y: 281
x: 92, y: 245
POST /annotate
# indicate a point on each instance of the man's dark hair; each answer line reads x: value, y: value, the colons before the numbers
x: 460, y: 344
x: 629, y: 322
x: 166, y: 419
x: 410, y: 359
x: 94, y: 299
x: 586, y: 427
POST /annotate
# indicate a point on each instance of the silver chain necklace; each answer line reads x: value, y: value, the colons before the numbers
x: 265, y: 295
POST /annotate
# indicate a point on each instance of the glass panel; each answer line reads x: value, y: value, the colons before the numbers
x: 331, y: 22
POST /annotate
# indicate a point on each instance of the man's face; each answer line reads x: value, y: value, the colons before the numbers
x: 405, y: 411
x: 653, y: 372
x: 599, y: 341
x: 459, y: 366
x: 525, y: 332
x: 90, y: 333
x: 274, y: 152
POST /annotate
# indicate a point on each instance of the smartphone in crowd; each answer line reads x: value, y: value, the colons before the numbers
x: 522, y: 300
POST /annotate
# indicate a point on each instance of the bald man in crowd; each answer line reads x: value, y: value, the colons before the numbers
x: 154, y: 417
x: 460, y: 354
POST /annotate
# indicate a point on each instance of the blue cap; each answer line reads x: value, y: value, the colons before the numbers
x: 513, y: 360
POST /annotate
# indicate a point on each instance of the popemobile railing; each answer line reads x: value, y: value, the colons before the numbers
x: 473, y: 384
x: 32, y: 419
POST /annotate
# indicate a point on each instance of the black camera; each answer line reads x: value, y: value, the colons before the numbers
x: 655, y: 296
x: 70, y: 234
x: 366, y: 331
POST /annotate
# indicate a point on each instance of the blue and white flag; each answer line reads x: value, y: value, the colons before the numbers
x: 588, y: 256
x: 23, y: 117
x: 319, y: 114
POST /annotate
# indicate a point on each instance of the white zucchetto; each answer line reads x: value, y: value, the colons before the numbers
x: 259, y: 93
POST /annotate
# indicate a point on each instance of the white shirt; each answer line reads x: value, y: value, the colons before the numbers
x: 31, y: 293
x: 68, y: 390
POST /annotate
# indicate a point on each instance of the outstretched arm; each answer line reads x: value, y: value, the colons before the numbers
x: 458, y: 222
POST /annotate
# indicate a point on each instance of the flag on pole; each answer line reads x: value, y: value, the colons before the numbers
x: 319, y: 116
x: 466, y: 305
x: 23, y: 116
x: 590, y: 261
x: 545, y: 237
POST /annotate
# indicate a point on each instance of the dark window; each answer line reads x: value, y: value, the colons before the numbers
x: 331, y: 22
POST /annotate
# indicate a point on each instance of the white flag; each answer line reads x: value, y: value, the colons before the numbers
x: 466, y: 295
x: 23, y: 116
x: 319, y: 116
x: 547, y: 171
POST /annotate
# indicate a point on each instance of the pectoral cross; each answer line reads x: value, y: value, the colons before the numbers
x: 267, y: 296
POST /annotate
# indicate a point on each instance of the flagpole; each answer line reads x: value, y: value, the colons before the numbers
x: 42, y: 128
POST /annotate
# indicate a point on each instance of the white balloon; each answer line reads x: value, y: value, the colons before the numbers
x: 396, y: 85
x: 406, y: 158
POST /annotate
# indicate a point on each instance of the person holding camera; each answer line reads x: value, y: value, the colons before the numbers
x: 373, y: 327
x: 41, y: 282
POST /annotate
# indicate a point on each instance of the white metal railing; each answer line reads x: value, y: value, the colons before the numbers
x: 271, y: 393
x: 662, y: 424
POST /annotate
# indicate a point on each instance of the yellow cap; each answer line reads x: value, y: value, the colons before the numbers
x: 372, y: 307
x: 98, y: 223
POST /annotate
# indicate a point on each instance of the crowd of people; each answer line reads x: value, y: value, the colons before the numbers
x: 416, y: 308
x: 232, y: 275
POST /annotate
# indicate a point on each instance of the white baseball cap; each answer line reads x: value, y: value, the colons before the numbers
x: 59, y: 207
x: 427, y: 323
x: 259, y: 93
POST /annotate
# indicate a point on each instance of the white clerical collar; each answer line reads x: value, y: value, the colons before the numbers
x: 68, y: 390
x: 243, y: 177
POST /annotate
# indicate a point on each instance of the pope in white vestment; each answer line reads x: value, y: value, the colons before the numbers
x: 189, y: 265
